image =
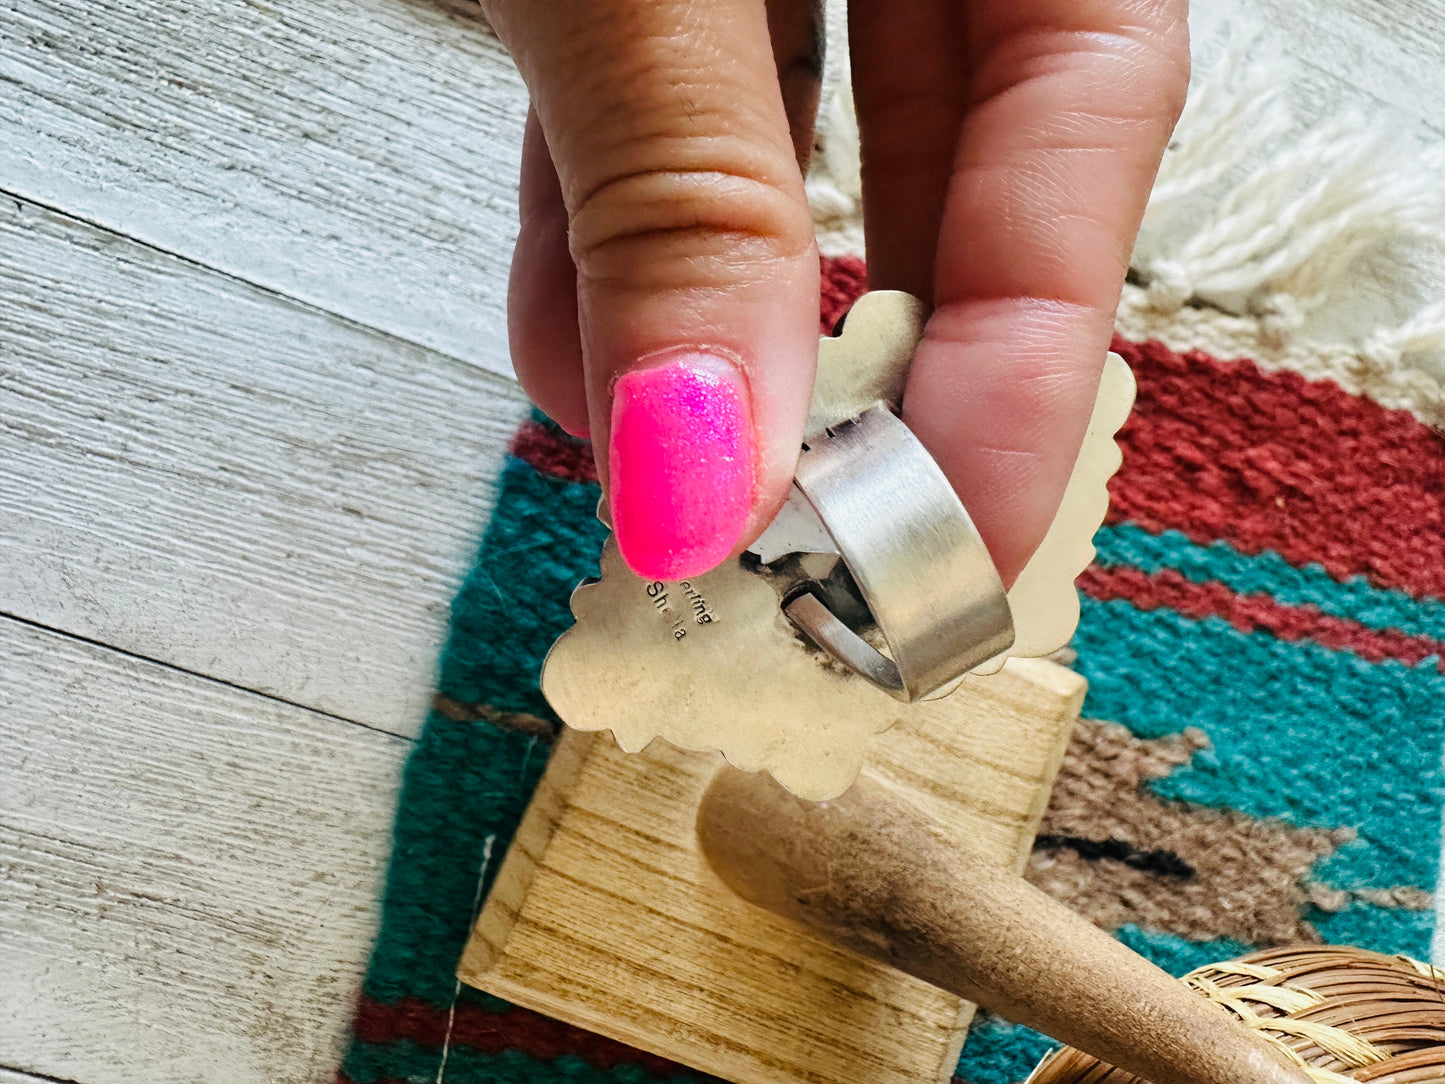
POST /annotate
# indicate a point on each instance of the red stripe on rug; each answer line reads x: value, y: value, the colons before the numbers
x: 554, y: 454
x: 493, y: 1032
x: 1272, y: 461
x: 844, y: 278
x: 1223, y: 450
x: 1249, y: 613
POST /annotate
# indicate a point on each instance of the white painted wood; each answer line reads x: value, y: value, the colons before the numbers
x: 10, y: 1076
x: 187, y: 871
x: 363, y: 155
x: 360, y: 155
x: 199, y: 472
x: 1359, y: 54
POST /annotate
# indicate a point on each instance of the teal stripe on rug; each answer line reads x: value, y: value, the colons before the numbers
x: 998, y: 1052
x: 1407, y: 932
x: 1268, y: 573
x: 468, y: 782
x: 367, y: 1063
x: 1301, y: 739
x: 542, y: 539
x: 465, y: 784
x: 1177, y: 955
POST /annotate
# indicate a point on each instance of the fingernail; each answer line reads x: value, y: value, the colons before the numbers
x: 680, y: 464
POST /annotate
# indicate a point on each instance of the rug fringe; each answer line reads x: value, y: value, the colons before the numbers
x: 834, y: 183
x: 1281, y: 242
x: 1284, y: 238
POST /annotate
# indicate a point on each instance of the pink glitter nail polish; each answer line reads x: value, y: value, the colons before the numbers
x: 680, y: 464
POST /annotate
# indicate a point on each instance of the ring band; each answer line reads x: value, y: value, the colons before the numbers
x: 920, y: 565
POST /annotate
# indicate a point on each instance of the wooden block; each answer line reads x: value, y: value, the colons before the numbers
x: 605, y: 913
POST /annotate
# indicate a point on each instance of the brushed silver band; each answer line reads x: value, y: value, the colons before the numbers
x: 919, y: 563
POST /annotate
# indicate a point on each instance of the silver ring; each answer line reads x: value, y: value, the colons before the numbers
x: 920, y: 565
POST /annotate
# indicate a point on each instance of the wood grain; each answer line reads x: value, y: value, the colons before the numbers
x: 606, y: 914
x: 189, y: 870
x: 359, y: 155
x: 199, y: 472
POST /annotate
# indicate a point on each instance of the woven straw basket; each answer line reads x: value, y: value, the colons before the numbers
x: 1344, y: 1014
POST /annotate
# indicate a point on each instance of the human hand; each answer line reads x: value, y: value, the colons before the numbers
x: 665, y: 282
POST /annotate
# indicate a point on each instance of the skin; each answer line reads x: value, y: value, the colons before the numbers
x: 1008, y: 151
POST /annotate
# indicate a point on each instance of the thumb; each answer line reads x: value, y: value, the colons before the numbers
x: 697, y: 273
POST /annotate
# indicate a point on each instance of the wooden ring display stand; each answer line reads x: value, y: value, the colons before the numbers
x: 607, y: 914
x: 704, y: 914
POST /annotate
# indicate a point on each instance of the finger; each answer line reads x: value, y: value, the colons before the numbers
x: 909, y: 117
x: 545, y: 342
x: 1068, y: 108
x: 796, y: 29
x: 697, y: 272
x: 542, y: 295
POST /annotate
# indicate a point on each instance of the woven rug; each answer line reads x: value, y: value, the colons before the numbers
x: 1259, y: 760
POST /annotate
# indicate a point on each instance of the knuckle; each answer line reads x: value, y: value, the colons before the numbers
x: 1163, y: 38
x: 687, y: 226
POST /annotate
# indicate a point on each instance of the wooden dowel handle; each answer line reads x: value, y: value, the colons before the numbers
x: 870, y: 872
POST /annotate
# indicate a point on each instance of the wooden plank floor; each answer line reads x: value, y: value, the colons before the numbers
x: 360, y: 155
x: 253, y: 265
x: 252, y: 399
x: 202, y: 472
x: 189, y: 868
